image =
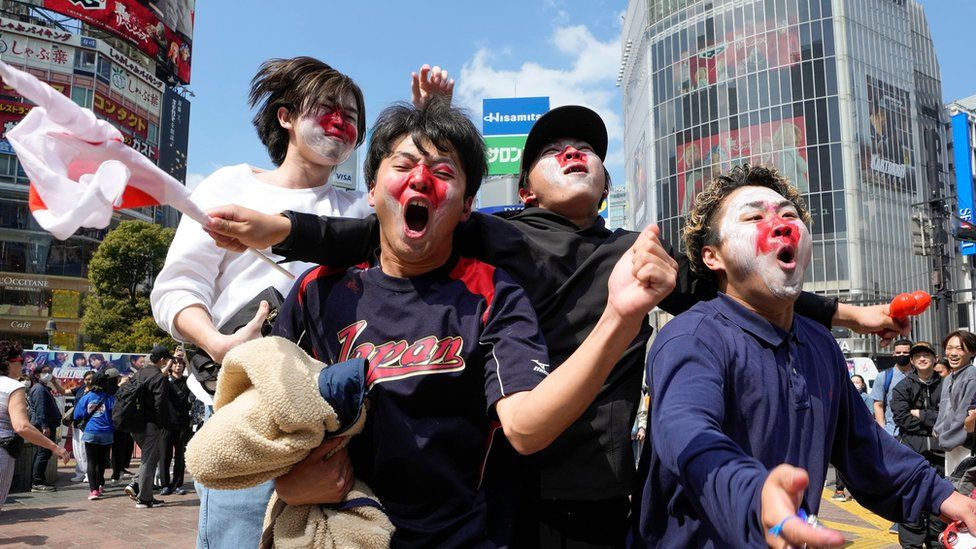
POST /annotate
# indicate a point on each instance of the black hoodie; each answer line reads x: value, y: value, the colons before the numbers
x: 914, y: 394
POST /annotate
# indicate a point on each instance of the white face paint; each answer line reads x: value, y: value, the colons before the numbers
x: 762, y: 234
x: 332, y: 147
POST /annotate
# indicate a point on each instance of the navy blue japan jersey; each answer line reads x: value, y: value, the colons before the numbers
x: 443, y: 347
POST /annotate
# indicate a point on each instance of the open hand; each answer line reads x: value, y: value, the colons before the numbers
x: 781, y: 496
x: 430, y: 83
x: 222, y: 344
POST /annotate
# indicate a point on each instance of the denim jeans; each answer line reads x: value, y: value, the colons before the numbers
x: 232, y: 518
x: 41, y: 458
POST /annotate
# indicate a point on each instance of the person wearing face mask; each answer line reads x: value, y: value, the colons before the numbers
x: 884, y: 385
x: 45, y: 416
x: 15, y: 425
x: 958, y: 389
x: 310, y: 118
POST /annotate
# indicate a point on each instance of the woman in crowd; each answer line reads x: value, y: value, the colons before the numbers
x: 45, y: 415
x: 14, y: 422
x: 94, y: 412
x: 958, y: 389
x: 178, y: 433
x: 77, y: 446
x: 862, y: 389
x: 123, y: 445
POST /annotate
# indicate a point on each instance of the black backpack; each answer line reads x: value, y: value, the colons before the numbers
x: 129, y: 413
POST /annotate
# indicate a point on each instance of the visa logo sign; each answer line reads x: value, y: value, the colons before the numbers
x: 512, y: 116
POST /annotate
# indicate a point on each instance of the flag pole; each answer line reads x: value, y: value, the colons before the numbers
x: 271, y: 262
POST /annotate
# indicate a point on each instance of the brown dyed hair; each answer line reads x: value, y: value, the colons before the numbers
x: 300, y: 85
x: 699, y: 230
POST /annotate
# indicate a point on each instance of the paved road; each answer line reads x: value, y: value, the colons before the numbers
x: 67, y: 519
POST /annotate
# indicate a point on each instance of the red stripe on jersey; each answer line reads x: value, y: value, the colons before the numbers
x: 478, y: 278
x: 319, y: 272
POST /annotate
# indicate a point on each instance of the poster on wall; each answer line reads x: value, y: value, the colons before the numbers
x: 886, y: 155
x: 162, y: 29
x: 736, y: 56
x: 781, y: 144
x: 69, y: 367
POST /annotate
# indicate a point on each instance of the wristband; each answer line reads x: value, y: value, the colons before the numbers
x: 775, y: 531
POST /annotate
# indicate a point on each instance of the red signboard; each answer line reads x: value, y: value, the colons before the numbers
x: 121, y: 116
x: 160, y: 29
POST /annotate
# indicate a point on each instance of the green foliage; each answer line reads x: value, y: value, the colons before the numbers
x: 121, y: 272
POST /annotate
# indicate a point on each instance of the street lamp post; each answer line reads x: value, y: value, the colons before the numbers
x: 50, y: 328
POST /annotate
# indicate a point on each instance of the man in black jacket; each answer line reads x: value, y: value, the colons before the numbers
x: 915, y: 407
x: 559, y: 250
x: 156, y: 399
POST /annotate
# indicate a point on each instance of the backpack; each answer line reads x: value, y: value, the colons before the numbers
x: 129, y: 413
x: 887, y: 385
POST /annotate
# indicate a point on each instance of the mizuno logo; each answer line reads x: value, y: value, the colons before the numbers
x: 540, y: 367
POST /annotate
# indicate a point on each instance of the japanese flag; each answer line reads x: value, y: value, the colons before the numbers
x: 79, y: 167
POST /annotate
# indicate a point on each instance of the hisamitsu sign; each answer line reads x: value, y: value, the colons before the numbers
x: 512, y: 116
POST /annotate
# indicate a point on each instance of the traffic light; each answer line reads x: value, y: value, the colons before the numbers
x: 963, y: 230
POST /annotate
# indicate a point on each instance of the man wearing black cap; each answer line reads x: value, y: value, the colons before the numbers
x: 155, y: 394
x: 915, y: 407
x: 559, y: 250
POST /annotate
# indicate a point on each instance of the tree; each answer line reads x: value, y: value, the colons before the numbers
x: 117, y: 315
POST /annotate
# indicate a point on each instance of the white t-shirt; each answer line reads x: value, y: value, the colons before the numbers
x: 197, y: 272
x: 7, y: 387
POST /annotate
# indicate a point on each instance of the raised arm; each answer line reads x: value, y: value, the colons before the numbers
x: 641, y: 278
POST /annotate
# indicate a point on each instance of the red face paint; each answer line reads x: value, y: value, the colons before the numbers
x: 334, y: 123
x: 775, y: 231
x: 570, y: 155
x: 421, y: 182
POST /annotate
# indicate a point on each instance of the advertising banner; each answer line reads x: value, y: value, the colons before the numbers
x: 781, y: 144
x: 36, y: 53
x: 120, y: 116
x: 504, y: 153
x: 886, y: 155
x: 962, y: 152
x: 162, y: 29
x: 174, y: 134
x: 69, y: 367
x: 512, y: 116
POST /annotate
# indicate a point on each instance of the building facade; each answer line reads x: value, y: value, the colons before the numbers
x: 41, y: 278
x: 842, y: 97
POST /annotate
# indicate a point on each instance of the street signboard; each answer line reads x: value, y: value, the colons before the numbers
x: 504, y: 153
x: 512, y: 116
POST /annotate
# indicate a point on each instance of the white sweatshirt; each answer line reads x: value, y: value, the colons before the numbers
x: 197, y: 272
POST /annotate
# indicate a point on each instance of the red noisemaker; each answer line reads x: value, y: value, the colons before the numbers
x: 906, y: 305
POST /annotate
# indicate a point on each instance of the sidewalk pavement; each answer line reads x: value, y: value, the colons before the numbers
x: 67, y: 519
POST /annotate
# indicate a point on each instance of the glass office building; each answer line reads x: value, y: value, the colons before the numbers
x: 828, y: 92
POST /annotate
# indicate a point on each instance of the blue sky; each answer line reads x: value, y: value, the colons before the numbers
x: 567, y: 49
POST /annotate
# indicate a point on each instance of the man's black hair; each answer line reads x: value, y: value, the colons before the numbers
x: 443, y: 125
x: 901, y: 341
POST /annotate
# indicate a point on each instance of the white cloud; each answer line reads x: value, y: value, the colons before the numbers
x: 589, y: 80
x: 192, y: 180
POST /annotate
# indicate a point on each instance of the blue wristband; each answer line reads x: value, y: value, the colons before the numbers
x: 775, y: 531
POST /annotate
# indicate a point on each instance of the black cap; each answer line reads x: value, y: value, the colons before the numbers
x: 921, y: 347
x: 159, y: 352
x: 573, y: 121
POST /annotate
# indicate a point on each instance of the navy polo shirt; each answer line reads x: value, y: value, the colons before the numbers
x: 733, y: 396
x: 442, y: 347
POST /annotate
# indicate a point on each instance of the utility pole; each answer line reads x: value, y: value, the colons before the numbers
x: 930, y: 234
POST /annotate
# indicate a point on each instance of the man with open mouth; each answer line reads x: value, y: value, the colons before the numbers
x: 559, y: 250
x: 750, y: 401
x: 453, y: 344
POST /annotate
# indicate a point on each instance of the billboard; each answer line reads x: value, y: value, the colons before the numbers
x: 174, y: 134
x: 886, y: 155
x: 781, y: 144
x: 962, y: 153
x: 504, y: 153
x: 736, y: 56
x: 162, y: 29
x: 69, y: 367
x: 512, y: 116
